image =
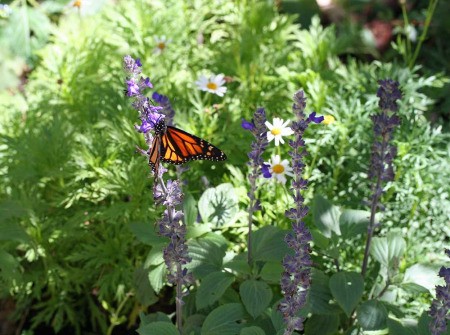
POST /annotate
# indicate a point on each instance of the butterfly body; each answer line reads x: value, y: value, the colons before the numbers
x: 175, y: 146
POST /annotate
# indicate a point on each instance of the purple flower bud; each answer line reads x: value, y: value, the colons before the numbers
x: 247, y: 125
x: 312, y: 117
x: 265, y: 171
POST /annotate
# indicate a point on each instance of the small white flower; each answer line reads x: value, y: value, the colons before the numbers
x: 279, y: 168
x: 213, y: 84
x: 161, y: 43
x: 277, y: 130
x: 85, y: 7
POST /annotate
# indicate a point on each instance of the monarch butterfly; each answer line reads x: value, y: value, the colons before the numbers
x: 175, y: 146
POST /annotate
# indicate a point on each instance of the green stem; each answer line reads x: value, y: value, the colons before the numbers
x: 430, y: 12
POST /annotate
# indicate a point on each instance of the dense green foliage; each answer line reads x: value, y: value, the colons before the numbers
x: 78, y: 247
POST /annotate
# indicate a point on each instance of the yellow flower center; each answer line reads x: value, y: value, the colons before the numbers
x: 77, y: 3
x: 161, y: 45
x: 276, y: 131
x: 278, y: 168
x: 328, y: 119
x: 212, y: 86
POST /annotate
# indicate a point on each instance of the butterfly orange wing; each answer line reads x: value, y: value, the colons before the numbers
x: 178, y: 147
x: 154, y: 155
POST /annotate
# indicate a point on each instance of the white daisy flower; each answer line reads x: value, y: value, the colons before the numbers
x: 161, y: 43
x: 277, y: 130
x: 86, y: 7
x: 213, y: 84
x: 279, y: 168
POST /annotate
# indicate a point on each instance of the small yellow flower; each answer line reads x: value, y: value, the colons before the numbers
x: 328, y: 119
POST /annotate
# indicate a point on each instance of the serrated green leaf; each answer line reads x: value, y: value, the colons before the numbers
x: 320, y: 296
x: 388, y: 250
x: 347, y: 288
x: 353, y: 222
x: 158, y: 327
x: 157, y: 277
x: 372, y: 315
x: 212, y: 288
x: 268, y: 244
x: 256, y: 296
x: 271, y: 272
x: 219, y: 205
x: 326, y: 216
x: 224, y: 320
x: 322, y: 324
x: 207, y: 254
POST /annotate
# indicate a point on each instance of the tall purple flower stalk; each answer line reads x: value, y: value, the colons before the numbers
x: 383, y: 152
x: 295, y: 279
x: 440, y: 307
x: 258, y: 128
x: 166, y: 194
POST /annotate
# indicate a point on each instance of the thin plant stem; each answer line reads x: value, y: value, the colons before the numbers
x: 430, y: 12
x: 250, y: 215
x: 373, y: 210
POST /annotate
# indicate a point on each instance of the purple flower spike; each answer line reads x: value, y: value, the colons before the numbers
x: 247, y: 125
x: 138, y: 62
x: 440, y: 307
x: 295, y: 279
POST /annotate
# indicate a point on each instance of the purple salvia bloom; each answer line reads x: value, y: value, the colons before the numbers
x: 383, y: 152
x: 295, y: 279
x: 166, y: 107
x: 169, y: 195
x: 440, y: 307
x: 258, y: 128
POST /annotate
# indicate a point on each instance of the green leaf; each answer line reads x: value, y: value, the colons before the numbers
x: 372, y: 315
x: 224, y: 320
x: 353, y: 222
x: 276, y: 317
x: 157, y: 277
x: 326, y: 216
x: 153, y: 317
x: 10, y: 209
x: 144, y: 291
x: 212, y: 288
x: 252, y: 331
x: 239, y: 265
x: 269, y: 245
x: 423, y: 275
x: 256, y: 296
x: 190, y: 209
x: 159, y: 327
x: 9, y: 266
x: 347, y: 288
x: 319, y: 296
x: 388, y: 250
x: 319, y: 239
x: 219, y: 205
x: 13, y: 231
x: 271, y: 272
x: 207, y: 254
x: 396, y: 328
x: 193, y: 324
x: 146, y: 233
x: 322, y: 324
